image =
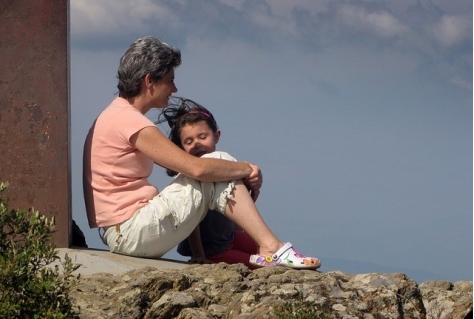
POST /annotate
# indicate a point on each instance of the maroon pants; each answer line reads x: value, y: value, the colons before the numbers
x: 239, y: 252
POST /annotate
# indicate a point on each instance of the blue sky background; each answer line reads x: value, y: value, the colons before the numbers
x: 358, y: 112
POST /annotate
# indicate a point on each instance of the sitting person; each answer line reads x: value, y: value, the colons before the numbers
x: 121, y: 149
x: 215, y: 239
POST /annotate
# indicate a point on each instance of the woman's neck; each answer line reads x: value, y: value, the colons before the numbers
x: 138, y: 103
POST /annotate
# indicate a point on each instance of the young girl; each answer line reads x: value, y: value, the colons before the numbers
x: 216, y: 238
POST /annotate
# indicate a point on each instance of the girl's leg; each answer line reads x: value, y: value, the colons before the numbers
x: 232, y: 256
x: 239, y: 252
x: 243, y: 242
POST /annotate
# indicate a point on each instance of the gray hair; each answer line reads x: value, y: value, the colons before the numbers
x: 148, y: 55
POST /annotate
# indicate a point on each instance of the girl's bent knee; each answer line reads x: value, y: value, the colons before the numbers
x: 220, y: 155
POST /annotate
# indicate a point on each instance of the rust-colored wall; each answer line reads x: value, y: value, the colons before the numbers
x: 34, y: 109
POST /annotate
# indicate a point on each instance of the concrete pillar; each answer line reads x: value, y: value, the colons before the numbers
x: 34, y: 109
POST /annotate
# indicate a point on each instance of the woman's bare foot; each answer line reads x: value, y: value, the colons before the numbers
x: 270, y: 249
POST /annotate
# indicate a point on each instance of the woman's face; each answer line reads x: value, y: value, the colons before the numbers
x: 198, y: 139
x: 163, y: 89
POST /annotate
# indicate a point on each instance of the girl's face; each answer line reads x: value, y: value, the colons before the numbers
x: 198, y: 139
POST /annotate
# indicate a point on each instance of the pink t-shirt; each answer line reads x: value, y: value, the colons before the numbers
x: 115, y: 172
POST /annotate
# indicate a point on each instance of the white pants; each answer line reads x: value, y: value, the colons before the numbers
x: 170, y: 216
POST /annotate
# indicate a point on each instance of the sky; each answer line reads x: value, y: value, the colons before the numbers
x: 358, y: 112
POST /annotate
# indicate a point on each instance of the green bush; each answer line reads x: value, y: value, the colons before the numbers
x: 300, y: 309
x: 31, y: 283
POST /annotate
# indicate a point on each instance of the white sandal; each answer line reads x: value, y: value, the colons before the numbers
x: 286, y: 256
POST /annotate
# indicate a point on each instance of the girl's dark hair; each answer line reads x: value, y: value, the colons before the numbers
x: 181, y: 112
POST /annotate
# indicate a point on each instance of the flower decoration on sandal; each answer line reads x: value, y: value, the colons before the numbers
x: 264, y: 261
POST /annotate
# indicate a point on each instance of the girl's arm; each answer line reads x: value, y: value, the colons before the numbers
x: 195, y: 242
x: 162, y: 151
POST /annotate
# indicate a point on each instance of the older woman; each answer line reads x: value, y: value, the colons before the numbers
x: 119, y: 154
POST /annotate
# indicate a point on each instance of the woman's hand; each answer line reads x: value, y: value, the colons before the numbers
x: 254, y: 181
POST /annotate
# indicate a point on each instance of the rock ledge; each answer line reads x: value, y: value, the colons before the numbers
x: 233, y: 291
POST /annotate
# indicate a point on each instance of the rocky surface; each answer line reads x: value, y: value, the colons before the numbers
x: 233, y: 291
x: 443, y: 299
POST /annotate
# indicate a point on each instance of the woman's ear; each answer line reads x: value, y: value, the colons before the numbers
x: 147, y: 80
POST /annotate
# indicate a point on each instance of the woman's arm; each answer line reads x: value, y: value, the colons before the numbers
x: 162, y: 151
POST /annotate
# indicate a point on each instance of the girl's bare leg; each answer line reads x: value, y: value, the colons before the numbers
x: 242, y: 210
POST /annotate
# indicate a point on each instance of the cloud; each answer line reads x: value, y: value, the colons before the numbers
x: 115, y: 17
x: 462, y: 83
x: 380, y: 23
x: 303, y: 22
x: 452, y: 30
x: 428, y: 32
x: 115, y: 24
